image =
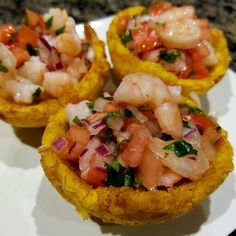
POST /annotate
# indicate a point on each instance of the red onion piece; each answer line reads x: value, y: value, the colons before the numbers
x: 98, y: 124
x: 72, y: 147
x: 59, y: 66
x: 193, y: 134
x: 200, y: 129
x: 60, y: 143
x: 45, y: 43
x: 102, y: 150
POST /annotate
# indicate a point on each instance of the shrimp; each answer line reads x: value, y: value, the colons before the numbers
x: 21, y: 90
x: 168, y: 178
x: 7, y: 59
x: 208, y: 139
x: 180, y: 34
x: 149, y: 170
x: 189, y: 166
x: 77, y: 69
x: 149, y: 89
x: 69, y: 44
x: 211, y: 59
x: 56, y: 83
x: 58, y: 16
x: 174, y: 14
x: 33, y: 70
x: 81, y: 110
x: 133, y: 153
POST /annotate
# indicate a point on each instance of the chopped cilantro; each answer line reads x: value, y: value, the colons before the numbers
x: 33, y: 51
x: 192, y: 110
x: 118, y: 176
x: 115, y: 165
x: 125, y: 38
x: 181, y: 148
x: 169, y: 57
x: 129, y: 177
x: 36, y: 94
x: 112, y: 114
x: 90, y: 106
x: 49, y: 22
x: 3, y: 68
x: 127, y: 113
x: 76, y: 120
x: 185, y: 124
x: 60, y: 31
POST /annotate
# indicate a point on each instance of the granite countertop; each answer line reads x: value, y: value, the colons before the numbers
x: 221, y: 13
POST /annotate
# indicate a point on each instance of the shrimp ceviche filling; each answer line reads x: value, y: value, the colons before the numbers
x: 42, y: 58
x: 140, y: 137
x: 171, y: 36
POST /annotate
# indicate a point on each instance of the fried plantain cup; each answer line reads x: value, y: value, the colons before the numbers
x: 125, y: 62
x: 125, y: 205
x: 37, y: 115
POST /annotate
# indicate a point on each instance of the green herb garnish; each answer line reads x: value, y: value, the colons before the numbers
x: 60, y: 31
x: 112, y: 114
x: 36, y: 94
x: 125, y: 38
x: 76, y: 120
x: 3, y: 68
x: 169, y: 57
x: 118, y: 176
x: 90, y: 106
x: 49, y: 22
x: 127, y: 113
x: 192, y: 110
x: 181, y: 148
x: 33, y: 51
x: 185, y: 124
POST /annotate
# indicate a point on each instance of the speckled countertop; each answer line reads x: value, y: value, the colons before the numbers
x: 221, y: 13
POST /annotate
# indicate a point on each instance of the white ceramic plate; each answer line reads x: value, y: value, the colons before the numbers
x: 29, y: 205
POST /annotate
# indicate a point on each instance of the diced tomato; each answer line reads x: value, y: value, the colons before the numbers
x: 96, y: 176
x: 122, y: 24
x: 145, y: 37
x: 200, y: 52
x: 204, y: 121
x: 79, y: 137
x: 21, y: 55
x: 159, y: 8
x: 200, y: 69
x: 150, y: 169
x: 26, y: 36
x: 6, y: 32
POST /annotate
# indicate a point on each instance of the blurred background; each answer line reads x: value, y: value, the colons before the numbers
x: 221, y: 13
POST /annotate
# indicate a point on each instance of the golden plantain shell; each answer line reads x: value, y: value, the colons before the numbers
x: 125, y: 205
x: 36, y: 115
x: 125, y: 62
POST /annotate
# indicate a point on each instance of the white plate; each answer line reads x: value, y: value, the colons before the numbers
x: 30, y: 206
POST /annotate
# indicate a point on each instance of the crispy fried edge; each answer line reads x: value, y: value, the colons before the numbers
x: 125, y: 62
x: 37, y: 115
x: 125, y: 205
